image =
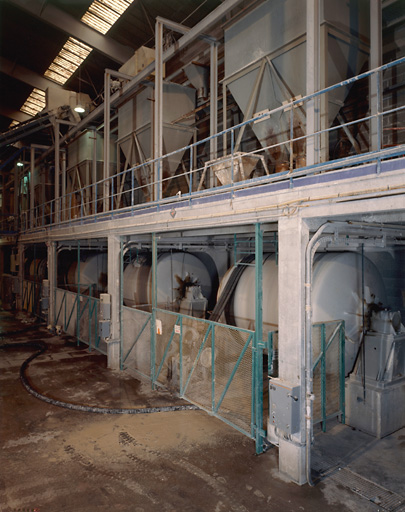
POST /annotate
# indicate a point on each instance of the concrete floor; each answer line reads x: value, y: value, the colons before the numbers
x: 54, y: 459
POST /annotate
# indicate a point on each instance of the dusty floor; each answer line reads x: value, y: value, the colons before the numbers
x: 54, y: 459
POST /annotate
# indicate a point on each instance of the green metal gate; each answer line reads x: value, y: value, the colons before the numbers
x: 78, y: 315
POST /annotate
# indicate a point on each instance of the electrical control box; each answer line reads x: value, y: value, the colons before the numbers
x: 104, y: 329
x: 105, y: 314
x: 284, y: 413
x: 105, y: 306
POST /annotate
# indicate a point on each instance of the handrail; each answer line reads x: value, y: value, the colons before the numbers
x: 76, y: 205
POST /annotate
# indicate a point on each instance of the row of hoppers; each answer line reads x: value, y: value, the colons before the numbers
x: 345, y: 284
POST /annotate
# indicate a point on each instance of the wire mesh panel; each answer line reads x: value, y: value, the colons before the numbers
x: 66, y: 311
x: 197, y: 361
x: 328, y: 370
x: 136, y: 341
x: 88, y: 312
x: 232, y: 376
x: 167, y: 350
x: 208, y: 364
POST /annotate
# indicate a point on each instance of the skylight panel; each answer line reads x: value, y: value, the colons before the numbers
x: 34, y: 103
x: 67, y: 61
x: 69, y: 56
x: 96, y: 22
x: 66, y: 64
x: 55, y: 77
x: 77, y: 48
x: 102, y: 14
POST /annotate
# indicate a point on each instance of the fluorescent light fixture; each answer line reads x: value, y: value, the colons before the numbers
x: 79, y: 109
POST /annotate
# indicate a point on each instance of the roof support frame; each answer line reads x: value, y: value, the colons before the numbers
x: 67, y: 23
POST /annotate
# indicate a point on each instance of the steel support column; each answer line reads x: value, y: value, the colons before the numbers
x: 154, y: 306
x: 258, y: 339
x: 63, y: 216
x: 375, y: 62
x: 158, y: 112
x: 213, y: 100
x: 51, y: 260
x: 21, y: 259
x: 106, y: 168
x: 312, y: 79
x: 32, y: 188
x: 114, y: 290
x: 293, y: 239
x: 57, y: 171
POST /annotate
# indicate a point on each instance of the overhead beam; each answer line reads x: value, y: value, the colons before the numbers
x: 26, y: 75
x: 15, y: 115
x: 67, y: 23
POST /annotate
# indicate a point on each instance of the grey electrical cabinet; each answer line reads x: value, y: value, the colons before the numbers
x: 284, y: 404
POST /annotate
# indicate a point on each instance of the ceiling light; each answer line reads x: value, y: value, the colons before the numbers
x: 79, y: 109
x: 20, y: 164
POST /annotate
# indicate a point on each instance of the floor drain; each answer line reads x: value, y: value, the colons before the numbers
x: 385, y: 499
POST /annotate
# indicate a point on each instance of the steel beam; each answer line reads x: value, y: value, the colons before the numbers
x: 67, y: 23
x: 26, y: 75
x: 16, y: 115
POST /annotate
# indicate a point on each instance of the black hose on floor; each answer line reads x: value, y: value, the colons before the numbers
x: 41, y: 347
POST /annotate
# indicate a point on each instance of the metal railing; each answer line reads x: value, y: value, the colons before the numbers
x: 151, y: 185
x: 329, y: 371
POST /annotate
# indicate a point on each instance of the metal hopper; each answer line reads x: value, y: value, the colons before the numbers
x: 135, y: 129
x: 266, y: 66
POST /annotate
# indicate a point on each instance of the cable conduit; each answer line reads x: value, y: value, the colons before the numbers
x: 41, y: 347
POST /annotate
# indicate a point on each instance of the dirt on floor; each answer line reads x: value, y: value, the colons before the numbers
x: 53, y: 459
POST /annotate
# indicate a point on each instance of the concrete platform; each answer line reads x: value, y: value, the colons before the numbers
x: 54, y: 459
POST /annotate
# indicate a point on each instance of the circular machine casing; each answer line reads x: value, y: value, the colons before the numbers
x: 175, y: 272
x: 37, y: 269
x: 336, y: 295
x: 92, y: 274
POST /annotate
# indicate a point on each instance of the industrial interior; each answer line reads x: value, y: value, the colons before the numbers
x: 210, y: 196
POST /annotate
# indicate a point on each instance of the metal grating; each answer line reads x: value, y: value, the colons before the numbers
x: 385, y: 499
x: 373, y: 492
